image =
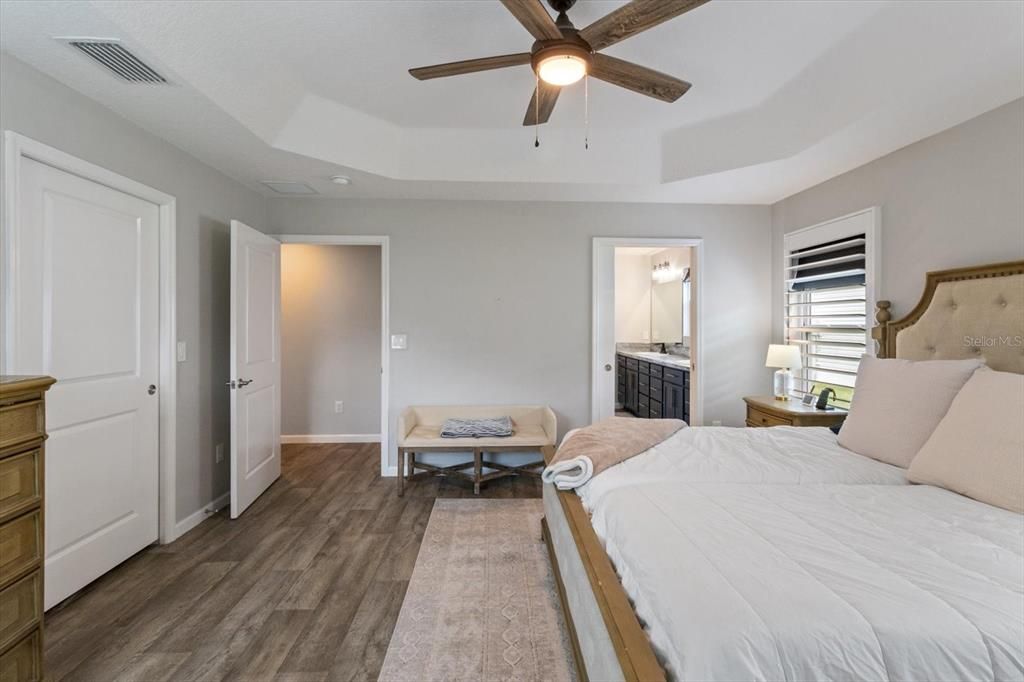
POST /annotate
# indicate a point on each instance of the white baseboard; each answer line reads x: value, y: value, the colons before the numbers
x: 200, y: 515
x: 389, y: 471
x: 332, y: 438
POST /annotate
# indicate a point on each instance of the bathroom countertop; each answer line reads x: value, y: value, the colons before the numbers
x: 664, y: 359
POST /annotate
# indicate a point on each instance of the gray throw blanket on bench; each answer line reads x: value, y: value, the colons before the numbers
x: 497, y: 427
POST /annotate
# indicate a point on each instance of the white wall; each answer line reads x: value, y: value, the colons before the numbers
x: 39, y: 107
x: 954, y: 199
x: 632, y: 297
x: 495, y: 296
x: 330, y: 339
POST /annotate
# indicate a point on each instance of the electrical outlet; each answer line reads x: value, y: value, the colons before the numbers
x: 182, y: 351
x: 219, y: 453
x: 339, y: 406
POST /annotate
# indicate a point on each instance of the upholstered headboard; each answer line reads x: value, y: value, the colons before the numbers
x: 975, y: 312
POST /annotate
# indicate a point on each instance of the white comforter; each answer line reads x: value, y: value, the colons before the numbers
x: 781, y: 454
x: 820, y: 582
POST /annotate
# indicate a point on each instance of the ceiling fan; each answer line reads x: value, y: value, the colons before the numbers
x: 562, y: 54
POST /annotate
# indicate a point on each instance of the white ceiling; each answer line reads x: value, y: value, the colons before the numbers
x: 786, y: 94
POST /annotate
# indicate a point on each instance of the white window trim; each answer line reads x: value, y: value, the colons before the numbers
x: 868, y: 222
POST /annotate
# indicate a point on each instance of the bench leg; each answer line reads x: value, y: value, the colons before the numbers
x: 478, y: 457
x: 401, y: 472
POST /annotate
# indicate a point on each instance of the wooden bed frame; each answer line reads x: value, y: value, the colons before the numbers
x: 636, y: 657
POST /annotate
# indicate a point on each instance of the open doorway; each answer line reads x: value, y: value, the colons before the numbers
x: 323, y: 300
x: 646, y: 332
x: 334, y: 340
x: 331, y: 343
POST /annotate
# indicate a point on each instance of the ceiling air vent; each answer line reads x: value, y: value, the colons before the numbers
x: 114, y: 56
x: 289, y: 187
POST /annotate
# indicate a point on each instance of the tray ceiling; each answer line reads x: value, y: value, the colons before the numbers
x: 786, y: 94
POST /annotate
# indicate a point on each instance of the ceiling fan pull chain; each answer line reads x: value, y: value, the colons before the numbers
x: 536, y: 112
x: 586, y: 111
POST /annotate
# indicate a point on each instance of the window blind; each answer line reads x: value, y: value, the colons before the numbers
x: 826, y: 313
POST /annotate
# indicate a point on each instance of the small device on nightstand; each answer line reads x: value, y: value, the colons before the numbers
x: 767, y: 411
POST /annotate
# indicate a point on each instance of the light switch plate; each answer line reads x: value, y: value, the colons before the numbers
x: 339, y: 406
x: 399, y: 342
x: 182, y: 351
x: 219, y: 453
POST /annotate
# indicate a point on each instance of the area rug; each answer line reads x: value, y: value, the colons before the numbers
x: 482, y: 602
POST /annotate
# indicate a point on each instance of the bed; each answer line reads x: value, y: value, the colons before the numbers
x: 703, y: 561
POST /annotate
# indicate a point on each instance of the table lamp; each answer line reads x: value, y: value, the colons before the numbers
x: 786, y: 358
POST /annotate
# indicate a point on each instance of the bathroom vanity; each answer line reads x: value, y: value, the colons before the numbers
x: 653, y: 385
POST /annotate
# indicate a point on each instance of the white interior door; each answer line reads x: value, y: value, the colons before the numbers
x: 83, y: 307
x: 603, y: 353
x: 256, y: 364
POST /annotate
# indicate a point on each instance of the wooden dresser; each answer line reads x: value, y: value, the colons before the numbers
x: 767, y: 411
x: 22, y: 432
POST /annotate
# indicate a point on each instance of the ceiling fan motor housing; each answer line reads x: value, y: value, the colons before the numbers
x: 561, y: 6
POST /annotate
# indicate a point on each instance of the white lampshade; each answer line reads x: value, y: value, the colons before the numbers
x: 782, y: 355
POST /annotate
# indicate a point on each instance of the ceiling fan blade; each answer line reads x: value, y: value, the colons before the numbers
x: 637, y: 78
x: 470, y: 66
x: 534, y: 18
x: 541, y: 112
x: 637, y: 16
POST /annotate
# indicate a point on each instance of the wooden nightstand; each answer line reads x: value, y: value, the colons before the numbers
x: 767, y: 411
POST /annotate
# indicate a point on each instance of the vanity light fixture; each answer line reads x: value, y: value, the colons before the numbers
x: 664, y: 272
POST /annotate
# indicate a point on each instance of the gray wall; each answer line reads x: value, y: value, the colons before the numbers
x: 39, y: 107
x: 495, y: 296
x: 950, y: 200
x: 330, y: 339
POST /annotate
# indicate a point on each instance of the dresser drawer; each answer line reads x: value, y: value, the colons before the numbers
x: 758, y: 418
x: 656, y: 370
x: 21, y: 606
x: 21, y: 545
x: 23, y: 662
x: 21, y: 422
x: 20, y: 482
x: 632, y: 363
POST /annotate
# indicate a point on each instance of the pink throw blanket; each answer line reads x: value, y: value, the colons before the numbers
x: 588, y: 451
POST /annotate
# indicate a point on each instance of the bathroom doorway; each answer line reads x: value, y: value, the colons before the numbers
x: 646, y: 329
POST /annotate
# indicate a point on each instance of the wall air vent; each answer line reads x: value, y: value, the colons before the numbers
x: 116, y: 58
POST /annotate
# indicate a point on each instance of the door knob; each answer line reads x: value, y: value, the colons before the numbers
x: 244, y: 382
x: 607, y: 368
x: 151, y: 390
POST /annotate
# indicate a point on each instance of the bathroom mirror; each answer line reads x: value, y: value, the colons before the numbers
x: 670, y: 303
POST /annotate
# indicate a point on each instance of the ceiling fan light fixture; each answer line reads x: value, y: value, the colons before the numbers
x: 562, y: 69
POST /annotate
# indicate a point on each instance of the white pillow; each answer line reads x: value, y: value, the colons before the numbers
x: 978, y: 447
x: 898, y: 403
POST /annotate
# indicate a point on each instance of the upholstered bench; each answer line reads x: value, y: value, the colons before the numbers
x: 419, y: 431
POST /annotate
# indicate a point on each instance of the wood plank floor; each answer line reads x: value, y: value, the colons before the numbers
x: 305, y: 586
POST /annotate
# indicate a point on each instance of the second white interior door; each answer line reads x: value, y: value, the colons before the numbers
x: 255, y: 364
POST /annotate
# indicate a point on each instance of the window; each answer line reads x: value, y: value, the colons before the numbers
x: 829, y: 301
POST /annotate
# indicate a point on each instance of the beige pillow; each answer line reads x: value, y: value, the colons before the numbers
x: 898, y: 403
x: 978, y: 447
